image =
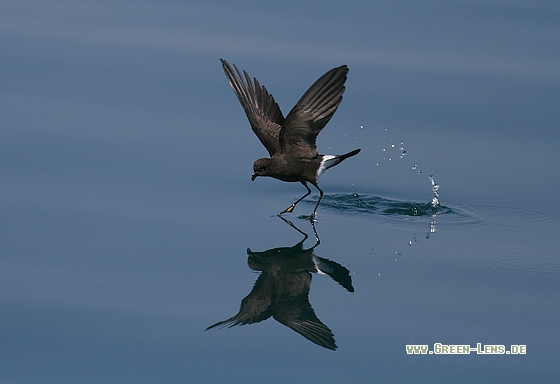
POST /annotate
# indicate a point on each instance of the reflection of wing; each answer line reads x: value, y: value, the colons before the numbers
x: 261, y: 109
x: 310, y: 327
x: 292, y: 308
x: 255, y: 306
x: 312, y: 112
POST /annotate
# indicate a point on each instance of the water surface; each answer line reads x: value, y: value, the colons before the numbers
x: 129, y: 223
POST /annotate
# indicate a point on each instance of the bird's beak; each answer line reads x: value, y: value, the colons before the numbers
x: 253, y: 176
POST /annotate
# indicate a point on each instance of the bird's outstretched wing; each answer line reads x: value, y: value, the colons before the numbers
x: 292, y: 308
x: 313, y: 329
x: 255, y: 307
x: 312, y: 112
x: 262, y: 110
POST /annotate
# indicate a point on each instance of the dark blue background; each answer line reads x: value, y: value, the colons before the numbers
x: 126, y: 205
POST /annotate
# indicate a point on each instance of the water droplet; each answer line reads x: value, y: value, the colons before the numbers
x: 435, y: 188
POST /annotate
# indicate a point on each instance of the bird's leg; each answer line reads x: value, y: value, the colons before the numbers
x: 314, y: 213
x: 317, y: 240
x: 291, y: 207
x: 305, y: 235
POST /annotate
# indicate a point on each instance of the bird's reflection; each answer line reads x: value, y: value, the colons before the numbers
x: 282, y: 289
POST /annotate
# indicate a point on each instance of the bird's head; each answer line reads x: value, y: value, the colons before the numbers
x: 261, y: 168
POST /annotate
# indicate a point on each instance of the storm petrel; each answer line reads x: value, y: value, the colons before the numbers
x: 290, y: 141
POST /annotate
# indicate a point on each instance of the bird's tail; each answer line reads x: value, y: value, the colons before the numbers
x: 338, y: 159
x: 330, y: 161
x: 349, y: 154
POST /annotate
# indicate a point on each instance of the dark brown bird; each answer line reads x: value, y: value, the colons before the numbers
x: 282, y: 291
x: 291, y: 141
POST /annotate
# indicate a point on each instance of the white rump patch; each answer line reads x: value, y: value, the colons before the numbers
x: 327, y: 162
x: 321, y: 267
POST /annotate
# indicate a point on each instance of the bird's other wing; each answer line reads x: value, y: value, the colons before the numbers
x: 292, y: 308
x: 262, y: 110
x: 314, y: 330
x: 255, y: 307
x: 312, y: 112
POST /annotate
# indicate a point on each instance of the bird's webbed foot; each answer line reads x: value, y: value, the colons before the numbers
x: 290, y: 209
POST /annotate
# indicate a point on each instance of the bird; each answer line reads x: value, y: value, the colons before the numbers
x: 291, y: 140
x: 282, y: 291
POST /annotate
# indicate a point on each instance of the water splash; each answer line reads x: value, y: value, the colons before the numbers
x: 355, y: 203
x: 390, y: 151
x: 403, y: 152
x: 435, y: 187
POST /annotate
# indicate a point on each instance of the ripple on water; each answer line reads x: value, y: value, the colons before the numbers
x: 366, y: 204
x: 500, y: 217
x: 532, y: 263
x: 355, y: 203
x: 505, y: 216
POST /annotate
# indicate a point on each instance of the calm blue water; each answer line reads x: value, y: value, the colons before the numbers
x: 127, y: 209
